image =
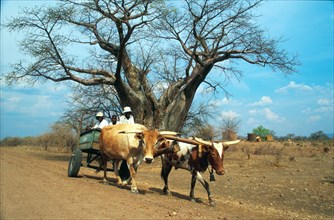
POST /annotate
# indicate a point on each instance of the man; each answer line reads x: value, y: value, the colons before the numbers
x: 126, y: 118
x: 114, y: 120
x: 101, y: 121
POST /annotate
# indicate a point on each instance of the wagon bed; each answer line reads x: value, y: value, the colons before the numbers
x: 88, y: 143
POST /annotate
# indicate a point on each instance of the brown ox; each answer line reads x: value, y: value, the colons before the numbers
x: 195, y: 156
x: 131, y: 142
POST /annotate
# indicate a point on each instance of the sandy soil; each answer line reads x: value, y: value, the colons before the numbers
x: 34, y: 185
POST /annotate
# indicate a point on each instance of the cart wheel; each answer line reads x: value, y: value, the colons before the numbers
x: 75, y: 163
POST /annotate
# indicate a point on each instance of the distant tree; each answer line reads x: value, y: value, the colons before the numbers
x: 319, y: 135
x: 30, y: 141
x: 11, y: 141
x: 290, y: 136
x: 63, y: 136
x: 262, y: 132
x: 206, y: 132
x: 85, y: 102
x: 155, y: 54
x: 197, y: 117
x: 300, y: 138
x: 230, y: 127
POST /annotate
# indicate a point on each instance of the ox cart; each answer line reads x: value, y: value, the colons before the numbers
x: 89, y: 144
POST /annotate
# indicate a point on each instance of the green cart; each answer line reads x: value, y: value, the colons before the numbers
x: 89, y: 144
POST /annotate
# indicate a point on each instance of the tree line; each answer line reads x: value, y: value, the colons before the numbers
x: 63, y: 137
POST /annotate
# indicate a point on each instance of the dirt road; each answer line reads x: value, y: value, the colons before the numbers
x: 34, y: 185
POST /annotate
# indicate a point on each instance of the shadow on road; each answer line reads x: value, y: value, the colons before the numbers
x: 175, y: 194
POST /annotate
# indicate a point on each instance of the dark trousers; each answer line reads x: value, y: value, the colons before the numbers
x: 124, y: 172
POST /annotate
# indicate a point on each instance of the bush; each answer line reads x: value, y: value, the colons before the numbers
x: 263, y: 132
x: 11, y: 141
x: 62, y: 137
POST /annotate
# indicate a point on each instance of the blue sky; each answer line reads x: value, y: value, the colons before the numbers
x: 301, y: 103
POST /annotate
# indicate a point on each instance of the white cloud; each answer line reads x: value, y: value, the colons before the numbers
x: 323, y: 102
x: 30, y: 105
x: 314, y: 118
x: 226, y: 100
x: 265, y: 100
x: 307, y: 110
x: 220, y: 102
x: 324, y: 109
x: 252, y: 121
x: 252, y: 112
x: 270, y: 115
x: 267, y: 113
x: 229, y: 115
x: 324, y: 106
x: 40, y: 101
x: 294, y: 87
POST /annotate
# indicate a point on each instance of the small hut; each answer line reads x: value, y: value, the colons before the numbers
x: 251, y: 137
x: 269, y: 138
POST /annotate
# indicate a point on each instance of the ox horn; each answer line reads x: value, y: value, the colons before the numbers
x: 184, y: 140
x: 168, y: 133
x: 226, y: 143
x: 200, y: 140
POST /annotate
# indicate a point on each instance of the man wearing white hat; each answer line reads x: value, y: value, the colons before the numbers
x: 126, y: 118
x: 101, y: 121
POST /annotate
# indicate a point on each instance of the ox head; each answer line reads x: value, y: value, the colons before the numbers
x: 149, y: 139
x: 216, y: 153
x: 214, y: 156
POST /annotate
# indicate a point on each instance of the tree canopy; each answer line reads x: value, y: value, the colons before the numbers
x: 319, y: 135
x: 154, y: 54
x: 262, y: 131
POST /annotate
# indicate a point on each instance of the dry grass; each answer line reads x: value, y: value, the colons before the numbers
x: 277, y: 153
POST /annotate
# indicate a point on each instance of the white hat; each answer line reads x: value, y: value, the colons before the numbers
x: 99, y: 114
x: 127, y: 109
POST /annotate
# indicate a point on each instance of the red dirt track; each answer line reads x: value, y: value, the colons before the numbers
x: 34, y: 185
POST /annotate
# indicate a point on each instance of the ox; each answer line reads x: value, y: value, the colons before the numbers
x: 195, y: 156
x: 131, y: 142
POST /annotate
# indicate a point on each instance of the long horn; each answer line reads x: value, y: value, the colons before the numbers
x: 185, y: 140
x: 168, y: 133
x: 226, y: 143
x: 200, y: 140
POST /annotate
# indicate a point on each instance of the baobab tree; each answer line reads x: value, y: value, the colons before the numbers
x: 155, y: 54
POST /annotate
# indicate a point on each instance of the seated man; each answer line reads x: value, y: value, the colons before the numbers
x: 114, y: 120
x: 101, y: 121
x: 127, y: 117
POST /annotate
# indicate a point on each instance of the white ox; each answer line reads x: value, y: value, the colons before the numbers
x: 131, y: 142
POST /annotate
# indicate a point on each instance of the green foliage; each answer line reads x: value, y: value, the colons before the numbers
x: 262, y: 132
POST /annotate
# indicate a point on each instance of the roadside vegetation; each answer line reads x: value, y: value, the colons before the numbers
x: 63, y: 138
